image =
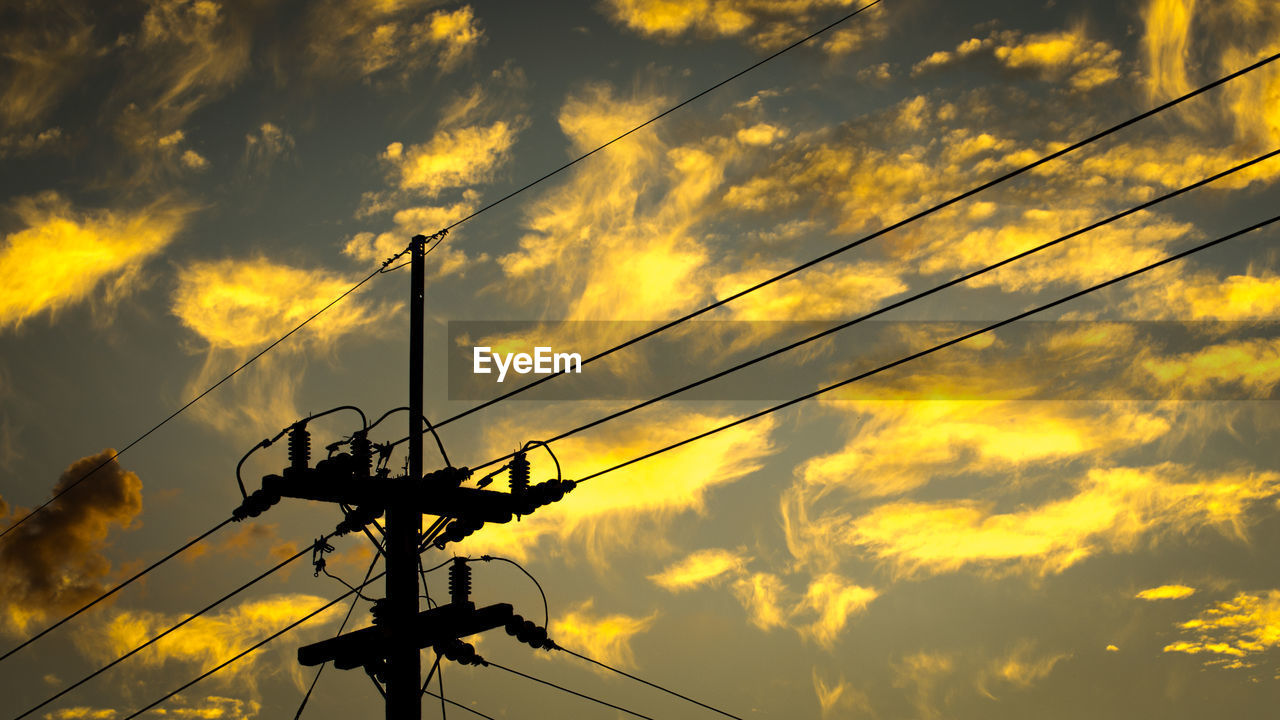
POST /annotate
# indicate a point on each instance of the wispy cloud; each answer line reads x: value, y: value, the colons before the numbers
x: 604, y: 637
x: 1233, y: 633
x: 64, y: 255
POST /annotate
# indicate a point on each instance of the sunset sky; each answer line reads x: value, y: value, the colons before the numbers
x: 1073, y: 516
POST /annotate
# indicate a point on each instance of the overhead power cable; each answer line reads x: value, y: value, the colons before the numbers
x: 471, y: 710
x: 646, y: 682
x: 442, y: 232
x: 171, y: 629
x: 904, y: 301
x: 119, y: 587
x: 256, y: 646
x: 866, y: 238
x: 565, y: 689
x: 935, y: 348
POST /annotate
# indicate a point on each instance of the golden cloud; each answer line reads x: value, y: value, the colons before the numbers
x: 447, y: 259
x: 1166, y: 592
x: 839, y: 699
x: 1062, y: 56
x: 761, y: 596
x: 207, y: 640
x: 1204, y: 295
x: 237, y: 307
x: 1254, y: 365
x: 1166, y: 45
x: 773, y: 23
x: 46, y: 51
x: 451, y: 159
x: 1113, y: 510
x: 1021, y: 668
x: 609, y: 512
x: 265, y: 147
x: 53, y: 564
x: 900, y: 446
x: 1233, y: 632
x: 606, y: 638
x: 63, y: 255
x: 833, y: 599
x: 700, y: 568
x: 373, y: 38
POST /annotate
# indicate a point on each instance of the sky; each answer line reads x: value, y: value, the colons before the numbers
x: 1074, y: 515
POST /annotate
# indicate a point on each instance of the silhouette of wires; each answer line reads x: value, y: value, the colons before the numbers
x: 940, y: 346
x: 646, y: 682
x: 562, y: 688
x: 904, y: 301
x: 878, y: 233
x: 350, y: 609
x: 255, y: 647
x: 118, y: 587
x: 265, y: 574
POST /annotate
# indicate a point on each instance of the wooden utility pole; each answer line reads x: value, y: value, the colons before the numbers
x: 404, y: 527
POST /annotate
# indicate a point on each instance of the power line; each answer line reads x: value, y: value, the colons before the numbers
x: 196, y: 399
x: 646, y: 682
x: 473, y: 711
x: 565, y: 689
x: 173, y: 628
x: 256, y: 646
x: 935, y: 348
x: 866, y: 238
x: 117, y: 588
x: 904, y: 301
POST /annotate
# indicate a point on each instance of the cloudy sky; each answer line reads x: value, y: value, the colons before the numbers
x: 1063, y: 518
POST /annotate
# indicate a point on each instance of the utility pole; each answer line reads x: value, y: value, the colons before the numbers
x: 404, y: 526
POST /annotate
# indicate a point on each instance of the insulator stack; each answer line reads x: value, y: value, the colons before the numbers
x: 519, y: 473
x: 362, y: 453
x: 460, y: 582
x: 299, y: 447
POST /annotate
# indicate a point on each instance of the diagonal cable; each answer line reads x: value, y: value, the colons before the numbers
x: 117, y: 588
x: 940, y: 346
x: 646, y: 682
x: 904, y: 301
x: 565, y: 689
x: 171, y: 629
x: 884, y: 230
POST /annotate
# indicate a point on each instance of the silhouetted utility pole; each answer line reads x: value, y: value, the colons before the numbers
x: 404, y: 526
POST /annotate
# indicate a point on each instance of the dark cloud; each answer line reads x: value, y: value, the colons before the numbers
x: 53, y: 563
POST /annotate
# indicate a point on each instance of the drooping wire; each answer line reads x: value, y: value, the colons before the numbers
x: 255, y: 647
x: 646, y: 682
x: 546, y: 614
x: 75, y: 483
x: 279, y: 566
x: 562, y: 688
x: 902, y: 302
x: 350, y: 609
x: 866, y: 238
x: 430, y: 428
x: 940, y: 346
x: 118, y: 587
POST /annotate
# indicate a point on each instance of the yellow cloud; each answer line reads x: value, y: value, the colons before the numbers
x: 671, y: 18
x: 833, y: 599
x: 1114, y: 509
x: 1233, y: 631
x: 63, y: 255
x: 45, y: 54
x: 237, y: 307
x: 1166, y: 592
x: 700, y: 568
x: 1252, y: 364
x: 447, y: 259
x: 1021, y: 668
x: 455, y: 34
x: 824, y: 293
x: 839, y: 699
x: 1166, y: 45
x: 207, y: 640
x: 900, y: 446
x: 608, y: 513
x: 192, y: 50
x: 622, y: 235
x: 606, y: 638
x: 1065, y: 54
x: 451, y: 159
x: 1205, y: 296
x: 388, y: 37
x: 761, y: 596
